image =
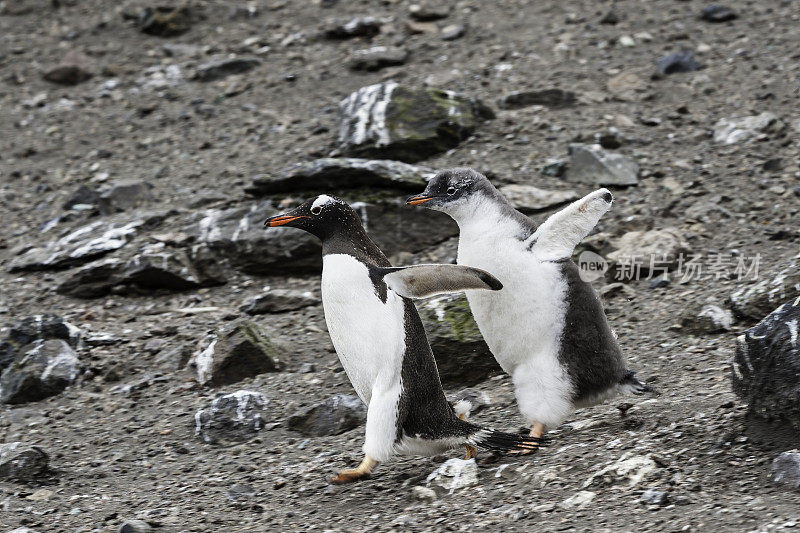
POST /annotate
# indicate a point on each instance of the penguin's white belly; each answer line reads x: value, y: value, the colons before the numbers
x: 367, y: 333
x: 523, y: 323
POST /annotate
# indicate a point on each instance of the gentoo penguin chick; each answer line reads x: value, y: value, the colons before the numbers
x: 381, y: 343
x: 547, y: 327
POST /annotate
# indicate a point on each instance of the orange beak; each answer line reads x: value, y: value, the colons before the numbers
x: 419, y: 199
x: 281, y: 220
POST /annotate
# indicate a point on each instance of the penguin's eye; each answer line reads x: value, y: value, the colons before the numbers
x: 316, y: 210
x: 451, y: 191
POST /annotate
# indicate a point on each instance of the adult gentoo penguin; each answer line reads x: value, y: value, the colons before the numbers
x: 381, y: 343
x: 547, y: 327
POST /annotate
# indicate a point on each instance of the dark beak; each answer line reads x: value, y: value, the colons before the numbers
x: 282, y: 220
x: 418, y: 199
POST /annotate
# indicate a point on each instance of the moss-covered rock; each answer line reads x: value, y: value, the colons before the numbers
x: 461, y: 353
x: 391, y: 121
x: 238, y: 351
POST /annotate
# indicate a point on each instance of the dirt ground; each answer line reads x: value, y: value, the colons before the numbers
x: 117, y: 456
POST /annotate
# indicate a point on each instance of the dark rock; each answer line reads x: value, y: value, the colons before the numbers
x: 135, y: 526
x: 232, y: 418
x: 36, y: 328
x: 452, y: 32
x: 356, y: 27
x: 336, y: 415
x: 222, y: 68
x: 426, y: 12
x: 166, y: 21
x: 554, y: 167
x: 72, y: 70
x: 237, y: 235
x: 555, y: 98
x: 85, y: 243
x: 786, y: 469
x: 390, y: 121
x: 708, y: 319
x: 476, y: 400
x: 238, y: 351
x: 38, y: 371
x: 766, y: 365
x: 123, y: 196
x: 279, y: 301
x: 592, y: 164
x: 660, y: 283
x: 83, y: 196
x: 609, y: 17
x: 718, y: 13
x: 395, y: 228
x: 461, y: 353
x: 329, y: 174
x: 19, y: 462
x: 376, y: 58
x: 528, y: 198
x: 610, y: 139
x: 156, y: 268
x: 676, y: 62
x: 774, y: 164
x: 757, y: 300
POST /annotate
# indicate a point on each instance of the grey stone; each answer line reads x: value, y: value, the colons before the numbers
x: 761, y: 298
x: 232, y: 418
x: 461, y: 353
x: 20, y: 462
x: 376, y: 58
x: 637, y: 251
x: 786, y: 469
x: 681, y: 61
x: 336, y: 415
x: 654, y: 497
x: 222, y: 68
x: 391, y: 121
x: 83, y: 196
x: 123, y: 196
x: 237, y: 351
x: 355, y: 27
x: 591, y: 164
x: 717, y: 13
x: 72, y: 70
x: 709, y: 318
x: 455, y: 474
x: 555, y: 98
x: 628, y: 470
x: 473, y: 400
x: 451, y: 32
x: 330, y: 173
x: 237, y: 235
x: 37, y: 328
x: 765, y: 370
x: 40, y: 370
x: 429, y: 11
x: 528, y: 198
x: 279, y: 301
x: 738, y: 129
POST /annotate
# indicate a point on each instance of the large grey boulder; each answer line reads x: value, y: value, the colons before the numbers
x: 337, y: 414
x: 237, y: 351
x: 766, y: 365
x: 36, y: 328
x: 757, y: 300
x: 592, y: 164
x: 461, y: 353
x: 786, y: 469
x: 739, y: 129
x: 392, y: 121
x: 20, y: 462
x: 232, y: 418
x: 331, y: 173
x: 39, y: 370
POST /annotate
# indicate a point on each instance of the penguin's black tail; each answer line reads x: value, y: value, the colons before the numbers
x: 630, y: 384
x: 500, y: 441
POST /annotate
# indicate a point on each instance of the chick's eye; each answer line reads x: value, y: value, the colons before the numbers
x: 451, y: 191
x: 316, y: 210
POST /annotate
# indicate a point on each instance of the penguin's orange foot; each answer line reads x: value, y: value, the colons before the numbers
x: 472, y: 452
x: 349, y: 475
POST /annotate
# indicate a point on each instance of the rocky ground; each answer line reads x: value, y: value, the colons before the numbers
x: 140, y: 148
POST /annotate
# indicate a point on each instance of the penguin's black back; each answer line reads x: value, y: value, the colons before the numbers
x: 588, y: 350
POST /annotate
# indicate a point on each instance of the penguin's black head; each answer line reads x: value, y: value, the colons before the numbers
x: 452, y: 188
x: 322, y: 216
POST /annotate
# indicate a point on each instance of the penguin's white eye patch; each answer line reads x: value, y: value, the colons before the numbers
x: 316, y: 210
x: 451, y: 191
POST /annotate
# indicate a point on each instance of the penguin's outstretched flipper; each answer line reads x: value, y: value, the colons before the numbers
x: 558, y: 236
x: 422, y: 281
